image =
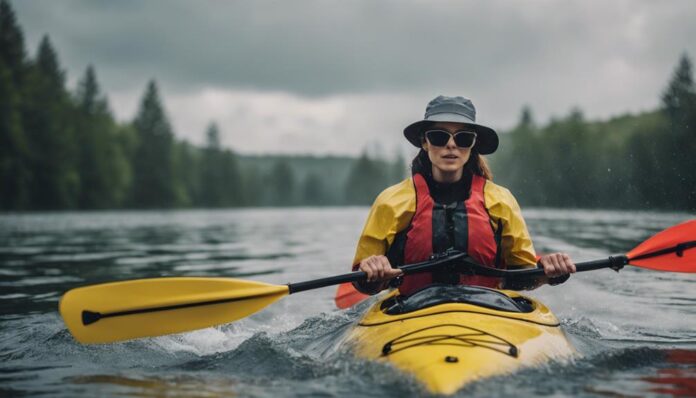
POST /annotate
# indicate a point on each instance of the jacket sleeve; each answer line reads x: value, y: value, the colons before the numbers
x: 390, y: 213
x: 516, y: 244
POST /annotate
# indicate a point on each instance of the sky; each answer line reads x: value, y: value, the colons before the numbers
x: 334, y: 77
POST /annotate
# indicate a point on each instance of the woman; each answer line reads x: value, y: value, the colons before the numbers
x: 450, y: 203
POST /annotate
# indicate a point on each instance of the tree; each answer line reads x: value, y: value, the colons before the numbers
x: 15, y: 172
x: 678, y: 145
x: 46, y: 119
x: 522, y: 166
x: 220, y: 178
x: 49, y: 67
x: 12, y: 52
x: 234, y: 193
x: 365, y: 181
x: 398, y: 168
x: 89, y: 97
x: 186, y: 160
x: 102, y: 164
x: 314, y: 191
x: 569, y: 167
x: 281, y: 184
x: 153, y: 166
x: 253, y: 187
x: 678, y: 97
x: 210, y: 180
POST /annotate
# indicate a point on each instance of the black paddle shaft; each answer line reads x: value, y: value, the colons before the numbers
x: 459, y: 262
x: 449, y: 260
x: 614, y: 262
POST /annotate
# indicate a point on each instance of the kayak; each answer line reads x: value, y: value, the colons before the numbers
x: 446, y: 336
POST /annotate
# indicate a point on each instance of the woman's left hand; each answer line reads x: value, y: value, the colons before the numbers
x: 557, y: 264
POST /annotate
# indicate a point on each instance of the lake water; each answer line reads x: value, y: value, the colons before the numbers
x: 635, y: 330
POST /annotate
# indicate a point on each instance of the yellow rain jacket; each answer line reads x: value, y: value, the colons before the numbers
x: 394, y: 208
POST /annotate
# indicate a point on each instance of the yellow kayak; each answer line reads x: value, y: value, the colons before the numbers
x: 447, y: 336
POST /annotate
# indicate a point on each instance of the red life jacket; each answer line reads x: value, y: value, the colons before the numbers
x: 435, y: 228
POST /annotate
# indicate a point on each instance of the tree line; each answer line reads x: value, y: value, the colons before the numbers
x: 65, y: 150
x: 633, y: 161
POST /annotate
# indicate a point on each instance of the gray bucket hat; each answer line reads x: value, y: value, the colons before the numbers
x: 457, y: 110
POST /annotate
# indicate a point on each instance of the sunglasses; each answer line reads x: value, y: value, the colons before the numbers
x: 463, y: 138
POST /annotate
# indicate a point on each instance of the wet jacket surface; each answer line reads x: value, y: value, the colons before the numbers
x: 394, y: 209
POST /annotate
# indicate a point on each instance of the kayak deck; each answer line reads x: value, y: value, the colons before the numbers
x: 470, y: 334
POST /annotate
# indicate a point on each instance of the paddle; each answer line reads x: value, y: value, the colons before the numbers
x: 127, y: 310
x: 152, y: 307
x: 664, y: 251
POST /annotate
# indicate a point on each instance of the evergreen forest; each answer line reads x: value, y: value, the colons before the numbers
x: 63, y: 149
x: 644, y: 161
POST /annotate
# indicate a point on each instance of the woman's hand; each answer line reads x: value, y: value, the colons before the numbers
x: 557, y: 264
x: 378, y: 269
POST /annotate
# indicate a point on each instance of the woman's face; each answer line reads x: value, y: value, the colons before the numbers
x: 449, y: 160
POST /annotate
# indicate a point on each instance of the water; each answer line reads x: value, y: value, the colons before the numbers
x: 635, y: 331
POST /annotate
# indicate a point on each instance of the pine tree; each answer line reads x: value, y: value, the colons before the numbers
x: 212, y: 184
x: 677, y: 98
x: 212, y: 136
x: 221, y: 180
x: 48, y: 65
x: 15, y: 168
x: 12, y: 52
x: 153, y: 166
x: 89, y: 97
x: 15, y: 172
x: 46, y: 119
x: 677, y: 148
x: 101, y: 162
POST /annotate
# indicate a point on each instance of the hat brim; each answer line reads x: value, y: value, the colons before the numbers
x: 486, y: 138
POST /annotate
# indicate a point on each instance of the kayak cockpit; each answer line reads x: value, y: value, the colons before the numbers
x: 442, y: 294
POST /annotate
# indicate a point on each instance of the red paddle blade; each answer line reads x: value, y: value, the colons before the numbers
x: 673, y: 249
x: 347, y: 296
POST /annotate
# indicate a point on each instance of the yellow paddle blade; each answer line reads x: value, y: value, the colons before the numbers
x: 154, y: 307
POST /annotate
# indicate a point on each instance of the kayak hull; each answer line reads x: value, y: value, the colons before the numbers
x: 448, y: 345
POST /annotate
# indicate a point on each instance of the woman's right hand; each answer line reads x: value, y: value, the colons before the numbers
x: 378, y: 269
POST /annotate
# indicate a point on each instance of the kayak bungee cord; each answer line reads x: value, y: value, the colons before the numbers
x: 466, y: 339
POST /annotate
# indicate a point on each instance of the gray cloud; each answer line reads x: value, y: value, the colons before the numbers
x: 605, y: 57
x: 323, y: 47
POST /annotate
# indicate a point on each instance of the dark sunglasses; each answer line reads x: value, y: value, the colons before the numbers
x: 463, y: 138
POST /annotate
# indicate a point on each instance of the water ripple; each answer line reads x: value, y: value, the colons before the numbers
x: 634, y: 330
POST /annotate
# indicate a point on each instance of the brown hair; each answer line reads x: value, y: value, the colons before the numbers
x: 477, y: 164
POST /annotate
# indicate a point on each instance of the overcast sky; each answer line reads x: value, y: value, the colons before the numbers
x: 330, y: 77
